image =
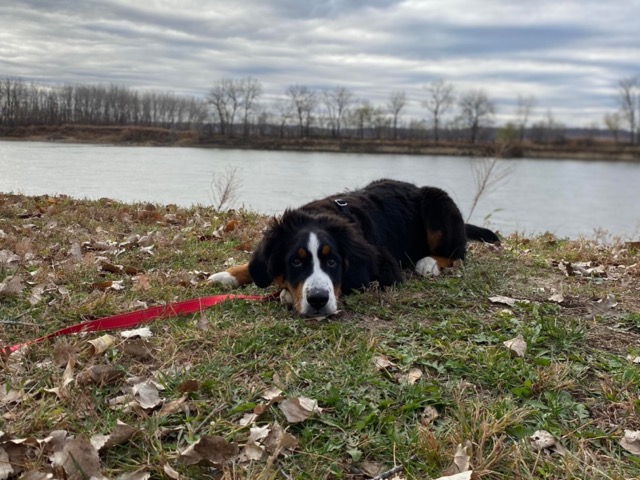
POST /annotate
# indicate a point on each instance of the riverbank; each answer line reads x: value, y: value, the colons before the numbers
x: 578, y: 150
x: 540, y: 334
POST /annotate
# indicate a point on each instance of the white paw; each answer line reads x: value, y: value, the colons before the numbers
x: 286, y: 297
x: 428, y: 267
x: 225, y: 278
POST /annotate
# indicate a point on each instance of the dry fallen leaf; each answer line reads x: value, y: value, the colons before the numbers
x: 99, y: 374
x: 516, y: 345
x: 101, y: 344
x: 381, y: 362
x: 299, y: 409
x: 543, y: 441
x: 79, y: 459
x: 631, y: 441
x: 461, y: 460
x: 146, y: 395
x: 213, y: 451
x: 122, y: 433
x: 371, y: 468
x: 173, y: 406
x: 412, y: 377
x: 279, y: 441
x: 143, y: 332
x: 11, y: 287
x: 506, y: 300
x: 271, y: 393
x: 429, y: 414
x: 468, y: 475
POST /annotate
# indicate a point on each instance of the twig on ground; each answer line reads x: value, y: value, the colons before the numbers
x: 394, y: 470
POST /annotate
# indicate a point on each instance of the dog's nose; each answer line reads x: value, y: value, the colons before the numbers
x: 318, y: 298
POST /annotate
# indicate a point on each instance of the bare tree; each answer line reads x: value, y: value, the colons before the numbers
x: 224, y: 97
x: 629, y: 96
x: 525, y: 105
x: 477, y: 110
x: 613, y: 121
x: 395, y: 104
x: 250, y: 91
x: 284, y: 111
x: 440, y: 98
x: 304, y: 101
x: 361, y: 117
x: 337, y: 102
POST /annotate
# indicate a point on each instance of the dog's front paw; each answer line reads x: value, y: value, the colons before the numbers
x: 428, y: 267
x: 225, y: 278
x: 286, y: 297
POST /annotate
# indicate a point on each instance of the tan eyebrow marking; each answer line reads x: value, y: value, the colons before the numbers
x: 302, y: 253
x: 326, y: 250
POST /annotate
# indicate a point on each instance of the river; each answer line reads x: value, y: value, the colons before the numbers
x: 565, y: 197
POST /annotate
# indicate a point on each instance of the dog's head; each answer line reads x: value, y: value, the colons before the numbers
x: 308, y: 255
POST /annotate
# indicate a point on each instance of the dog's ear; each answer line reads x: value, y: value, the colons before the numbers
x: 358, y: 255
x: 267, y: 260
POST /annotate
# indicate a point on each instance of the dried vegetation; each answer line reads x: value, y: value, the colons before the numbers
x: 523, y: 364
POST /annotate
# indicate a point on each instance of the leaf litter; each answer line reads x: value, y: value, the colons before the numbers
x: 61, y: 291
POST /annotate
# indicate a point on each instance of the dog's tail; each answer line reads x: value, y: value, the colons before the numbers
x: 480, y: 234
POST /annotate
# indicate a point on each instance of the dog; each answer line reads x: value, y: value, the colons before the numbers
x: 354, y: 240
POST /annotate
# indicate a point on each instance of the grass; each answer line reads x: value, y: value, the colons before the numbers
x: 575, y: 379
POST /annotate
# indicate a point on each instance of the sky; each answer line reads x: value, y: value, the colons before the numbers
x: 569, y: 54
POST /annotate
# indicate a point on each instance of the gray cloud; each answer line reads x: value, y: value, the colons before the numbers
x: 569, y: 54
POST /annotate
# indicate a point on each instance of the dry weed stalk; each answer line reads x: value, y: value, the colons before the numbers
x: 225, y: 188
x: 488, y: 174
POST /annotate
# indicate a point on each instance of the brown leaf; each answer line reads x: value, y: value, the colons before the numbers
x: 461, y: 460
x: 101, y: 344
x: 189, y: 386
x: 11, y: 287
x: 371, y: 468
x: 213, y: 451
x: 412, y: 377
x: 382, y: 362
x: 429, y: 414
x: 279, y: 440
x: 146, y: 395
x: 99, y: 374
x: 541, y: 440
x: 141, y: 283
x: 122, y: 433
x: 299, y: 409
x: 79, y: 459
x: 631, y: 441
x: 517, y: 345
x: 244, y: 246
x: 172, y: 407
x: 230, y: 226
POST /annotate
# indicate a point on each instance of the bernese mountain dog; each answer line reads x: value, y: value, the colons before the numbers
x: 354, y: 240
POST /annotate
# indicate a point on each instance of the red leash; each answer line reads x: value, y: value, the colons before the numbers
x: 131, y: 319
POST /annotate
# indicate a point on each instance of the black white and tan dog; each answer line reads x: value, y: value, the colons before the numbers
x: 352, y: 240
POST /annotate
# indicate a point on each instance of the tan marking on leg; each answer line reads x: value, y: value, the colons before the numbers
x: 434, y: 238
x: 443, y: 262
x: 241, y: 274
x: 296, y: 294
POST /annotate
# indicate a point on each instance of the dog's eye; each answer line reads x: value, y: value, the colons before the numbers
x: 296, y: 262
x: 331, y: 263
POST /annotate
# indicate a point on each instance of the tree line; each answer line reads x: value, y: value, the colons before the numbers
x: 237, y: 107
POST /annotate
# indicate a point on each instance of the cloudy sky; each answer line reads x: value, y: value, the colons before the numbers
x: 568, y: 53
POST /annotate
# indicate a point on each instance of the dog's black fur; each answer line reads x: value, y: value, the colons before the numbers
x: 355, y: 239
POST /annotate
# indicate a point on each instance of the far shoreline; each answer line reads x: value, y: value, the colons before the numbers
x: 582, y: 149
